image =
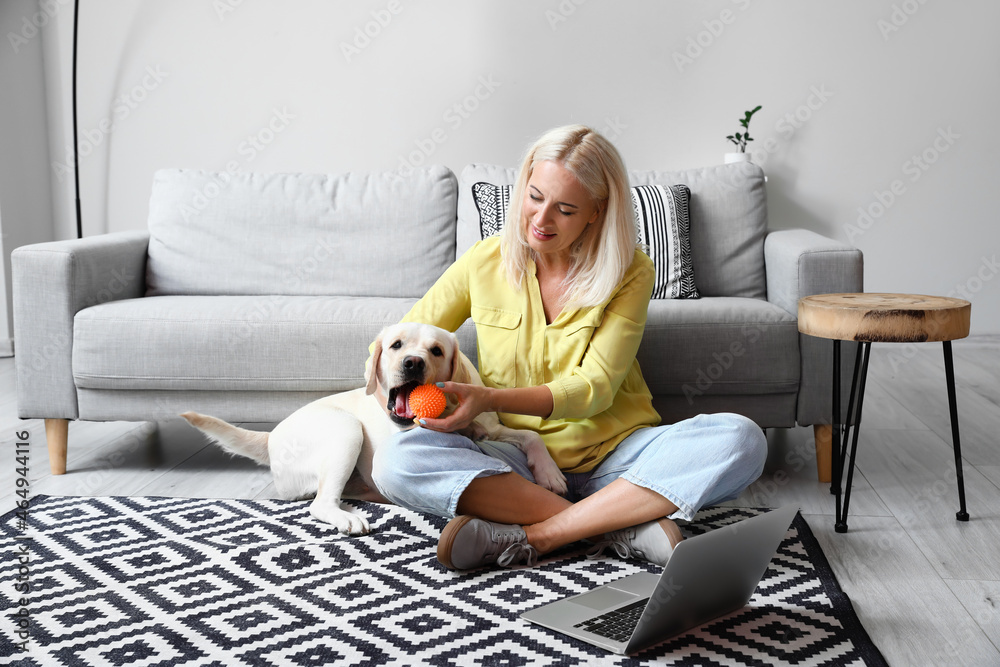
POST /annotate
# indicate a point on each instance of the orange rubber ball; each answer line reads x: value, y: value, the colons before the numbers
x: 427, y: 401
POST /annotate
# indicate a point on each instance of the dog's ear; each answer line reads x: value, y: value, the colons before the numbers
x: 371, y: 371
x: 461, y: 368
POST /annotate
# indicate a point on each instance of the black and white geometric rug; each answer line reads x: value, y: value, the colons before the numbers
x: 170, y: 581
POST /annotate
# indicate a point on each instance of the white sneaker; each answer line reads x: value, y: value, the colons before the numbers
x: 653, y: 542
x: 468, y: 542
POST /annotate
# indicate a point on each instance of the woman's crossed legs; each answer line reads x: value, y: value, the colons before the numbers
x: 665, y: 471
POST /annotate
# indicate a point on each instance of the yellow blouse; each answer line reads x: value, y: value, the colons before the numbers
x: 586, y: 356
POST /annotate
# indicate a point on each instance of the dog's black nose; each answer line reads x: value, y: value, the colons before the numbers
x: 413, y: 364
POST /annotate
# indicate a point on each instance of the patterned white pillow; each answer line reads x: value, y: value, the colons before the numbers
x: 662, y: 224
x: 491, y: 202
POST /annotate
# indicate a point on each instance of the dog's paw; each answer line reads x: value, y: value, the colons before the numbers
x: 548, y: 475
x: 345, y: 522
x: 475, y: 432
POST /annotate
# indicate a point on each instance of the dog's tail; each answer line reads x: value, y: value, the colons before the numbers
x: 233, y: 439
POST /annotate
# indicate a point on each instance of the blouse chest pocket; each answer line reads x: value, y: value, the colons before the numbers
x: 577, y: 336
x: 497, y: 332
x: 590, y: 320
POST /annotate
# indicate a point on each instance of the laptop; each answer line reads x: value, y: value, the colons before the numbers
x: 707, y: 576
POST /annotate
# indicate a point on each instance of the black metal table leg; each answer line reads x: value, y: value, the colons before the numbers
x: 949, y: 372
x: 835, y: 445
x: 845, y: 429
x: 841, y: 526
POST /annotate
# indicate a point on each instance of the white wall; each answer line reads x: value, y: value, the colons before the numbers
x: 25, y: 188
x: 853, y: 92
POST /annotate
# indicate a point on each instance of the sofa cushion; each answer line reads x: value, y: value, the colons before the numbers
x: 233, y: 343
x: 265, y: 343
x: 719, y: 346
x: 728, y: 210
x: 728, y: 225
x: 300, y: 234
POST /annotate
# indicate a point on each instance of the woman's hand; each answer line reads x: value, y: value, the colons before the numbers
x: 472, y: 401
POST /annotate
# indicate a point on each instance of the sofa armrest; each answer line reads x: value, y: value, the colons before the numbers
x: 52, y: 282
x: 801, y: 263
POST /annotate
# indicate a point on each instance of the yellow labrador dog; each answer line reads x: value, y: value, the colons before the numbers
x: 325, y: 448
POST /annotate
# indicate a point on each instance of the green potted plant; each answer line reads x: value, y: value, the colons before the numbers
x: 741, y: 139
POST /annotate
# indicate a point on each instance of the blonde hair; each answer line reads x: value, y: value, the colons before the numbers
x: 605, y: 249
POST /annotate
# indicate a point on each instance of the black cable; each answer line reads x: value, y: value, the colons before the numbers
x: 76, y: 156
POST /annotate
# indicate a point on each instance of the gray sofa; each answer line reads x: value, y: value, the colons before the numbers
x: 250, y: 295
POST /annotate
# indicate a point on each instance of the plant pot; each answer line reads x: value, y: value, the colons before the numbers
x: 737, y: 157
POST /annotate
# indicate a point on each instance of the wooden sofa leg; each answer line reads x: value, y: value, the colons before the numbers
x: 57, y: 436
x: 824, y: 452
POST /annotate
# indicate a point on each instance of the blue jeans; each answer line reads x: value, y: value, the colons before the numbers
x: 694, y: 463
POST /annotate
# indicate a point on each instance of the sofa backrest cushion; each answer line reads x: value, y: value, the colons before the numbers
x: 728, y: 211
x: 354, y: 234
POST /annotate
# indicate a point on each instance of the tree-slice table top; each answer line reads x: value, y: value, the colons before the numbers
x: 884, y: 318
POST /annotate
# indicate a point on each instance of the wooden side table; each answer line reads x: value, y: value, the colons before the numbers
x: 868, y: 318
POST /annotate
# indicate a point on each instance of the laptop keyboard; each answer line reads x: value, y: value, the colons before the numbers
x: 618, y: 624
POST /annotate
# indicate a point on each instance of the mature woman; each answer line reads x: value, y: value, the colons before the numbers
x: 559, y: 300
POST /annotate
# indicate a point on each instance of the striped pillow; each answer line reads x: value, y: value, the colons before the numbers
x: 662, y: 229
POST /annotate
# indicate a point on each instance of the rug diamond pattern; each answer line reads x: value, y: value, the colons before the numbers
x: 167, y: 581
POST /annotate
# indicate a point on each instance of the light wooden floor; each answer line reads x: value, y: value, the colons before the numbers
x: 926, y: 587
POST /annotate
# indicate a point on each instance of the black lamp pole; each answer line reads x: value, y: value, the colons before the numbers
x: 76, y: 157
